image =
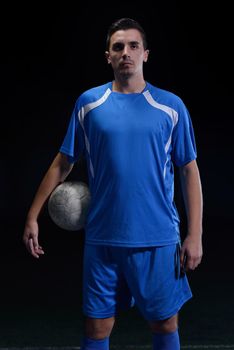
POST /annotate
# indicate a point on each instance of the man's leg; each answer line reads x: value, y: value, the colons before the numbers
x: 97, y: 333
x: 165, y: 334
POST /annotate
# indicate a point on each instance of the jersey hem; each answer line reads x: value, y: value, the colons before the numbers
x: 69, y: 156
x: 131, y: 245
x: 188, y: 160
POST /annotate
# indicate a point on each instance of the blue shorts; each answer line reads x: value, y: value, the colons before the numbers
x: 116, y: 278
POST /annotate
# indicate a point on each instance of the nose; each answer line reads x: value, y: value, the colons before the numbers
x: 125, y: 53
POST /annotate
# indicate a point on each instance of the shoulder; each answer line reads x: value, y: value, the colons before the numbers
x: 167, y: 98
x: 93, y: 94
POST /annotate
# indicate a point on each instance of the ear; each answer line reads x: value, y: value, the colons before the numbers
x: 107, y: 54
x: 146, y: 55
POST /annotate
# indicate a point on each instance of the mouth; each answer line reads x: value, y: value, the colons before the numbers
x: 126, y: 64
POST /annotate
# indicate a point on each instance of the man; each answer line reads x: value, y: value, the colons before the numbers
x: 131, y: 134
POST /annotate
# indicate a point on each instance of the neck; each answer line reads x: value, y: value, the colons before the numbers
x: 128, y: 86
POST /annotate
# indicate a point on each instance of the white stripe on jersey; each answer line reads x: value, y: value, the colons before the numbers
x: 81, y: 115
x: 172, y: 114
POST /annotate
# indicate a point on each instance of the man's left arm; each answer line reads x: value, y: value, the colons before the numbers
x: 191, y: 250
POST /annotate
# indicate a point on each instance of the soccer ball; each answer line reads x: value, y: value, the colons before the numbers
x: 68, y: 205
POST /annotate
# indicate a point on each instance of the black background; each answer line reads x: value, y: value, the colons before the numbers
x: 50, y: 53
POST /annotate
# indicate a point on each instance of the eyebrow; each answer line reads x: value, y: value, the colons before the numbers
x: 134, y: 42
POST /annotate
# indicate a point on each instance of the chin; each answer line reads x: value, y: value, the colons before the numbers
x: 125, y: 73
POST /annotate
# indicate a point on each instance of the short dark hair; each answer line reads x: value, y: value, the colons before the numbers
x: 124, y: 24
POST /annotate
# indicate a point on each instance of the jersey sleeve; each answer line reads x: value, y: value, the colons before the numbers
x: 73, y: 143
x: 183, y: 138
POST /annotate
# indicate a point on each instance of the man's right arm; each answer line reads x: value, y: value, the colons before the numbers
x: 57, y: 173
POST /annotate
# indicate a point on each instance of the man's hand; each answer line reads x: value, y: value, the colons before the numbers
x: 30, y: 239
x: 191, y: 253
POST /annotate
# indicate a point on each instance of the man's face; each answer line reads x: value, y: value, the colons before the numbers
x: 126, y: 52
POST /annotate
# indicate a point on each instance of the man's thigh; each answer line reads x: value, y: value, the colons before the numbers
x: 155, y: 281
x: 105, y: 289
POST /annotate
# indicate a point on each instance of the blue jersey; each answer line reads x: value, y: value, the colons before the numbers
x: 131, y: 142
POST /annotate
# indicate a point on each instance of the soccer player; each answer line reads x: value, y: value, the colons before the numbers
x: 132, y: 135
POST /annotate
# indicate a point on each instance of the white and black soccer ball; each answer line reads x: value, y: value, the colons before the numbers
x: 68, y: 205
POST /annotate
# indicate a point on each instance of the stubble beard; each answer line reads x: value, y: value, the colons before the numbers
x: 124, y: 76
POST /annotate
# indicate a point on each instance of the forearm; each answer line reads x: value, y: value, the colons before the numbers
x: 57, y: 173
x: 192, y: 193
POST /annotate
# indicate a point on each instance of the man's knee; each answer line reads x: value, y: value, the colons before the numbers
x: 165, y: 326
x: 97, y: 328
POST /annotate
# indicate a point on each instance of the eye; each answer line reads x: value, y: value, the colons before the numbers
x: 118, y: 47
x: 134, y: 45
